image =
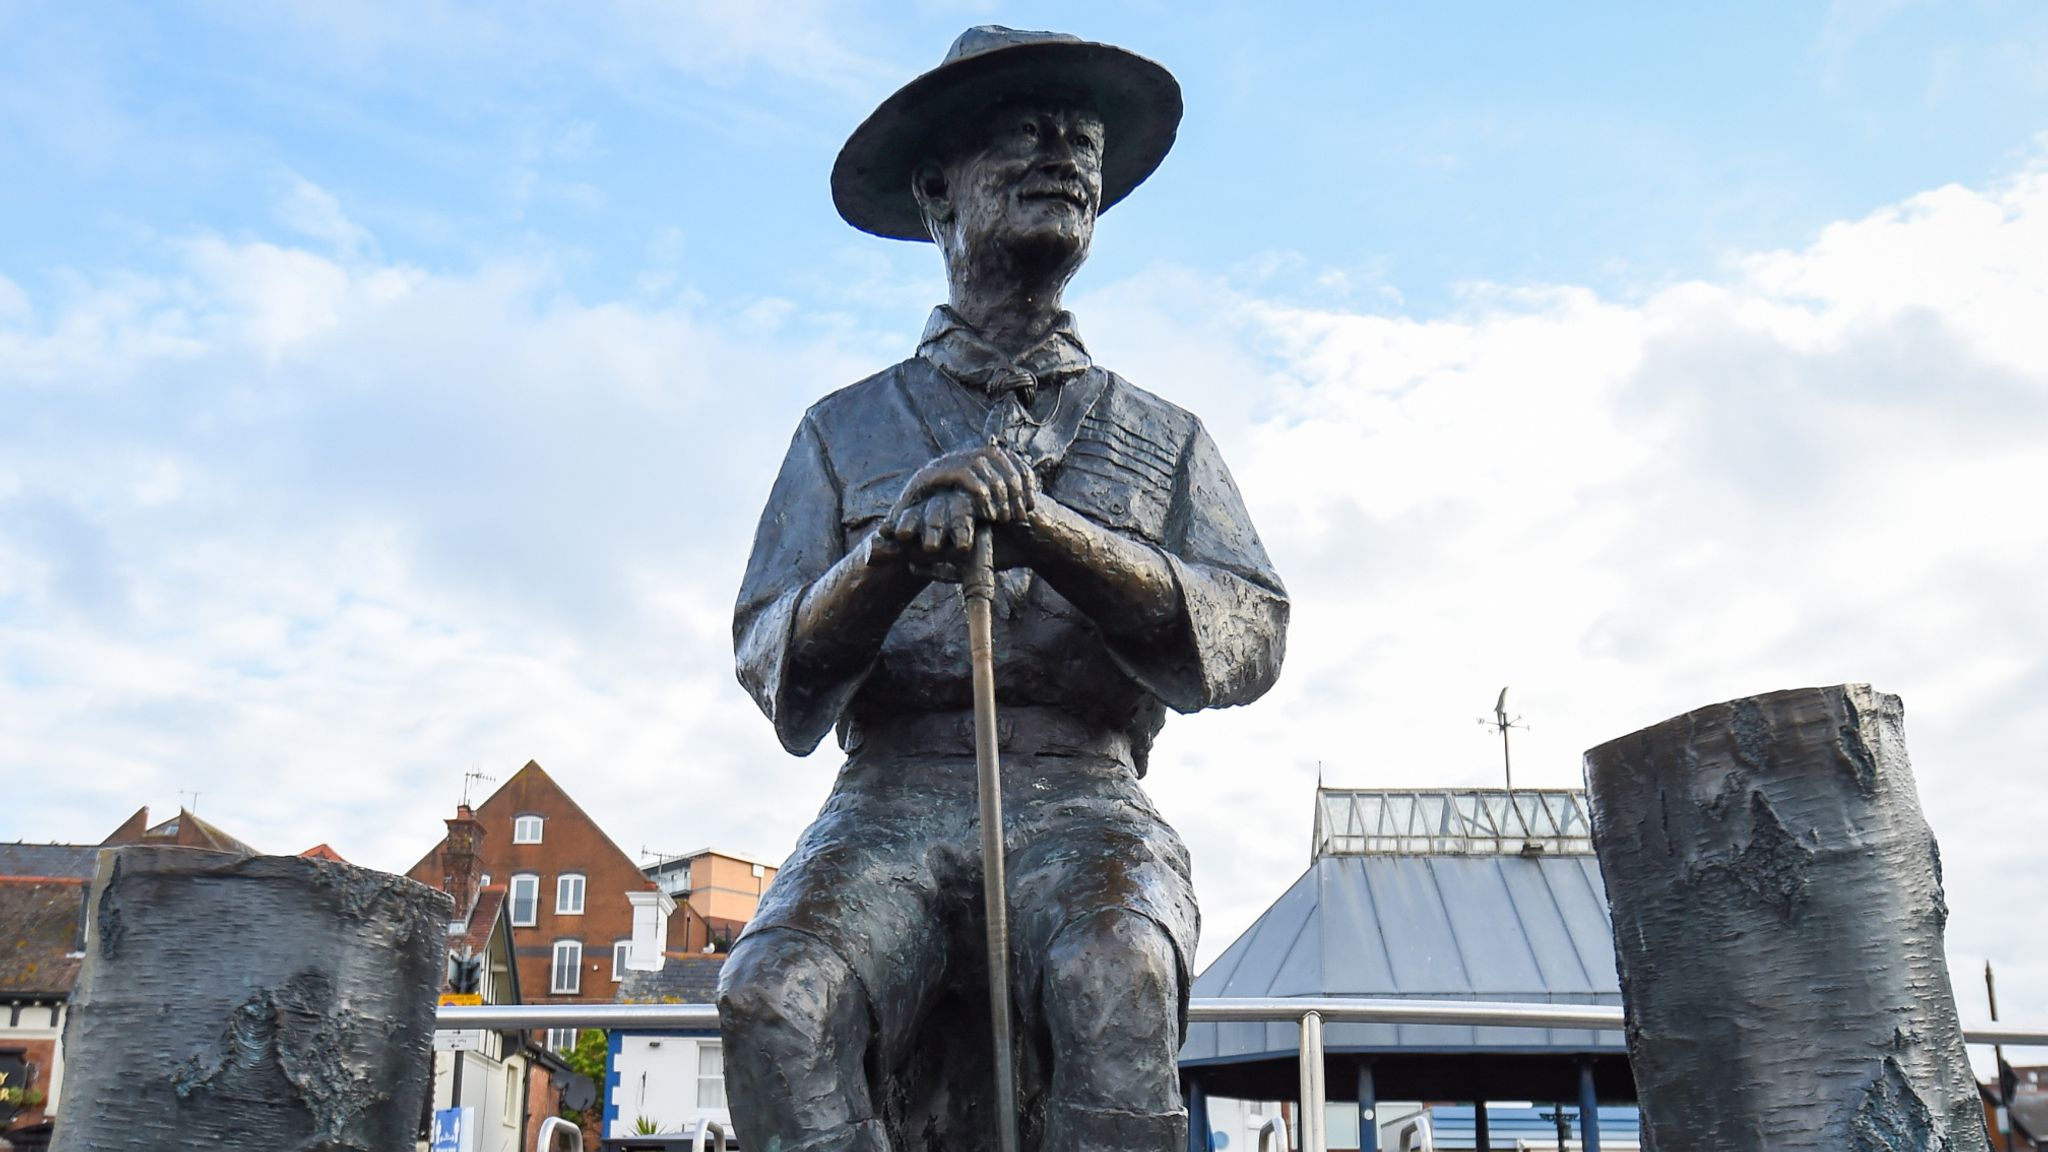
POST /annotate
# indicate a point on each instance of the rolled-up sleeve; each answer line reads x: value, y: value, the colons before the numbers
x: 797, y: 542
x: 1233, y: 628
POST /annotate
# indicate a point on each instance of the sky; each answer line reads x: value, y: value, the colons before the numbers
x: 389, y: 391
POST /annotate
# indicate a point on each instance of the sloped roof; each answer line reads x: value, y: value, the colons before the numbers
x: 185, y: 830
x: 1462, y: 913
x: 40, y: 919
x: 685, y: 978
x: 530, y: 782
x: 323, y: 852
x: 78, y: 861
x: 476, y: 933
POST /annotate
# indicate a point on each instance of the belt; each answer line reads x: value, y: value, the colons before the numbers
x: 1021, y: 731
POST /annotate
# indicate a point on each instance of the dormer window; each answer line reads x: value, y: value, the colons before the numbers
x: 526, y: 830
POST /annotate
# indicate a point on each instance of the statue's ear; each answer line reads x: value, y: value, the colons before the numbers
x: 934, y: 196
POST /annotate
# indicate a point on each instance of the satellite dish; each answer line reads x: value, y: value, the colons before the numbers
x: 578, y: 1092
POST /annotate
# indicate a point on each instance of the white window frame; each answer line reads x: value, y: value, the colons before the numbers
x: 563, y: 887
x: 561, y: 1040
x: 620, y: 950
x: 573, y: 970
x: 710, y: 1048
x: 512, y: 1071
x: 484, y: 881
x: 533, y: 907
x: 527, y: 829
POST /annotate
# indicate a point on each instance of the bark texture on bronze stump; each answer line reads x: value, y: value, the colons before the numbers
x: 251, y: 1002
x: 1777, y: 906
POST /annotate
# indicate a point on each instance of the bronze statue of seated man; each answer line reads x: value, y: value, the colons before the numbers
x: 1131, y: 581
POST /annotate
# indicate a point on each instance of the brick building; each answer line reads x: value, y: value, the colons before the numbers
x: 572, y: 894
x: 716, y: 893
x: 2025, y: 1129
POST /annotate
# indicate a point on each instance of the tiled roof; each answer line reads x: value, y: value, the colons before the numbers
x: 685, y: 978
x: 322, y: 852
x: 75, y: 860
x: 184, y: 830
x: 40, y: 920
x: 482, y: 919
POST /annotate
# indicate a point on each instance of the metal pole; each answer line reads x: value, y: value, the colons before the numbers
x: 1201, y: 1010
x: 1998, y: 1057
x: 1589, y: 1109
x: 1313, y: 1117
x: 1482, y: 1138
x: 1199, y: 1133
x: 978, y: 590
x: 1368, y: 1110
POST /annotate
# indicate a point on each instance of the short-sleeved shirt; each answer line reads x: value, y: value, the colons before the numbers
x: 1116, y: 454
x: 889, y: 873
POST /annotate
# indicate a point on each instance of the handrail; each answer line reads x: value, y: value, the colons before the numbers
x: 1276, y: 1128
x: 704, y: 1126
x: 545, y: 1141
x: 1208, y: 1010
x: 1309, y: 1013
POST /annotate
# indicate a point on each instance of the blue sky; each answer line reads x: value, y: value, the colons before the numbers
x: 387, y: 389
x: 1411, y: 147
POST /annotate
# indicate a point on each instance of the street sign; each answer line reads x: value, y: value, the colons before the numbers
x: 462, y: 999
x: 459, y: 1040
x: 454, y: 1130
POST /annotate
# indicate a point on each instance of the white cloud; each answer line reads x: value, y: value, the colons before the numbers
x: 313, y: 533
x: 310, y: 210
x: 1823, y: 468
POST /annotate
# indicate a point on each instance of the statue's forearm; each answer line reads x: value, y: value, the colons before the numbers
x: 844, y: 617
x: 1125, y: 587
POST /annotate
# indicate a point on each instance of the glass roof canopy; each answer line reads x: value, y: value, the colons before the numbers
x: 1452, y: 822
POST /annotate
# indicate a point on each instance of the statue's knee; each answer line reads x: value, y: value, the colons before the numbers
x: 1112, y: 991
x: 789, y: 984
x: 1113, y: 969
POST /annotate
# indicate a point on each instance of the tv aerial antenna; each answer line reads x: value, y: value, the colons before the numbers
x: 1502, y: 723
x: 470, y: 777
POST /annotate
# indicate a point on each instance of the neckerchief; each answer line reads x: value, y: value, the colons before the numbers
x: 1036, y: 400
x: 956, y: 349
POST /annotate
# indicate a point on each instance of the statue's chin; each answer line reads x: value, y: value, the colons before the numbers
x: 1044, y: 250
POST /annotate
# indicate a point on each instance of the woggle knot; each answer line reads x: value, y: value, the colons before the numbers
x: 1013, y: 380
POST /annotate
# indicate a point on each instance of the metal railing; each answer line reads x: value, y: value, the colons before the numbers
x: 706, y: 1127
x: 558, y: 1135
x: 1309, y: 1013
x: 1273, y: 1134
x: 1217, y: 1010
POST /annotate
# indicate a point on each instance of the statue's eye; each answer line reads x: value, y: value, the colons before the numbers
x: 1028, y: 129
x: 1084, y: 141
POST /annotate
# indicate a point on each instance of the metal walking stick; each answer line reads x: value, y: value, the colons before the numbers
x: 978, y: 590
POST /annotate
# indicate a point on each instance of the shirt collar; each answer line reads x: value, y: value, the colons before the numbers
x: 952, y: 346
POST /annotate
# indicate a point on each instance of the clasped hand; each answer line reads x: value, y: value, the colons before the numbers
x: 932, y: 523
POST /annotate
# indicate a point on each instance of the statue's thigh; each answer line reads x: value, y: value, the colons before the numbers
x: 1090, y: 853
x: 862, y: 882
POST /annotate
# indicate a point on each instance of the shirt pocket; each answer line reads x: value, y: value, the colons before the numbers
x: 1117, y: 493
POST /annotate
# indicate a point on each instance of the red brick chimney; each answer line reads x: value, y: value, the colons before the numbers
x: 461, y: 860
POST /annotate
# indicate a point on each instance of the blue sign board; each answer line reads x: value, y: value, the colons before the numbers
x: 450, y: 1133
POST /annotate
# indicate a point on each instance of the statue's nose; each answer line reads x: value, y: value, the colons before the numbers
x: 1061, y: 164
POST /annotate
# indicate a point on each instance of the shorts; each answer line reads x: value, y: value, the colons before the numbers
x: 889, y: 875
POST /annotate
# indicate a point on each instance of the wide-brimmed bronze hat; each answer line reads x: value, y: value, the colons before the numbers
x: 1138, y: 100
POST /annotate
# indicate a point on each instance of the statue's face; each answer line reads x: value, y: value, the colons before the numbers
x: 1032, y: 190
